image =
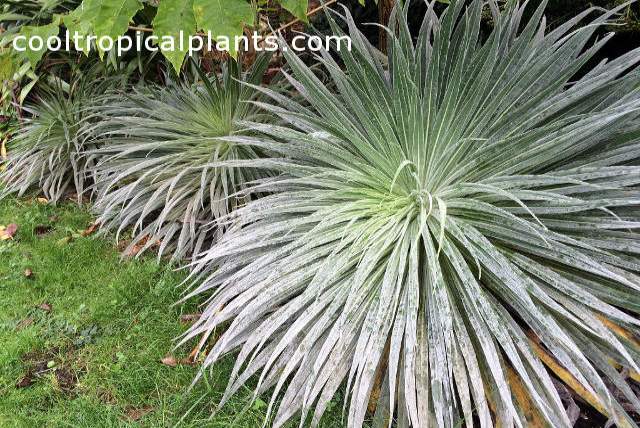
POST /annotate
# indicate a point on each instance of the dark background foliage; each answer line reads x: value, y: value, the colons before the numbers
x: 558, y: 11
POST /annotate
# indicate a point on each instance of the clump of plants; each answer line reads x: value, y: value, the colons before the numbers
x: 440, y: 234
x: 47, y: 151
x: 157, y: 169
x: 443, y: 230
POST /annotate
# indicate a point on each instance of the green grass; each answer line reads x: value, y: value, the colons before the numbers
x: 110, y: 324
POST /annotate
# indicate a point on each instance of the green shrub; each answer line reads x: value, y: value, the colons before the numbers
x: 430, y: 218
x: 157, y: 169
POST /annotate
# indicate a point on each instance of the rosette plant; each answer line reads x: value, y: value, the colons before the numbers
x: 448, y: 230
x: 156, y: 169
x: 47, y: 152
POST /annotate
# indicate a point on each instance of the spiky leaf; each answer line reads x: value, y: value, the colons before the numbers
x: 157, y: 170
x: 438, y: 221
x: 47, y: 153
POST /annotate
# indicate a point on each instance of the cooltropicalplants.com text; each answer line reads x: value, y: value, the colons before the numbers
x: 181, y: 42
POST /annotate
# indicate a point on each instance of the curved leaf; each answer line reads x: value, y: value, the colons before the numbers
x: 435, y: 210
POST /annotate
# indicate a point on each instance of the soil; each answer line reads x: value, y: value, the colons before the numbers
x: 38, y: 365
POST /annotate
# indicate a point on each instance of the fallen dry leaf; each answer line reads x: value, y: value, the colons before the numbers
x: 173, y: 362
x: 189, y: 318
x: 28, y: 273
x: 91, y: 229
x: 134, y: 250
x: 169, y: 361
x: 135, y: 414
x: 122, y: 245
x: 45, y: 307
x: 8, y: 232
x: 193, y: 357
x: 187, y: 362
